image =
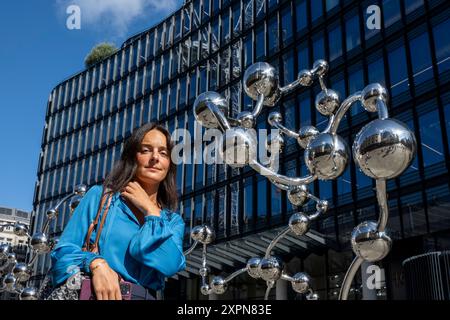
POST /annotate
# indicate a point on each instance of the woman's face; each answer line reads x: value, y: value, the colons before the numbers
x: 153, y: 158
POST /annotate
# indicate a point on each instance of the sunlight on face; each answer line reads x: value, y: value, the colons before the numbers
x: 153, y: 158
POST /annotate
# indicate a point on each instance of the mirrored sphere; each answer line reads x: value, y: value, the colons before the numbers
x: 298, y: 195
x: 370, y: 94
x: 370, y: 244
x: 300, y: 282
x: 205, y: 289
x: 39, y: 243
x: 253, y: 267
x: 203, y: 234
x: 218, y: 285
x: 327, y: 102
x: 202, y: 112
x: 80, y: 189
x: 246, y: 119
x: 306, y: 134
x: 383, y: 149
x: 22, y: 272
x: 320, y: 68
x: 20, y: 229
x: 262, y: 78
x: 270, y: 269
x: 203, y: 272
x: 305, y: 78
x: 29, y: 293
x: 5, y: 249
x: 322, y: 205
x: 51, y: 213
x: 74, y: 202
x: 327, y: 156
x: 274, y: 118
x: 299, y: 223
x: 9, y: 281
x: 238, y: 147
x: 12, y: 258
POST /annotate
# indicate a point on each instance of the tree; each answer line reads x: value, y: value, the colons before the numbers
x: 98, y: 53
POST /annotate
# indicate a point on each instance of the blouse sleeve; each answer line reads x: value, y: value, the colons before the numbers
x: 159, y: 244
x: 67, y: 256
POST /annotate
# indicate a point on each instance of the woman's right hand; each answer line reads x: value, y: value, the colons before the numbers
x: 105, y: 281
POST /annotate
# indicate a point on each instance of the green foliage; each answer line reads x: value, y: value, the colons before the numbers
x: 98, y: 53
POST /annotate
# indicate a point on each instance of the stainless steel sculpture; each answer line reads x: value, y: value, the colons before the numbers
x: 383, y: 149
x: 17, y: 274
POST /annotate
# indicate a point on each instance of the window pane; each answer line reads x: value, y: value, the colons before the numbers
x: 430, y: 134
x: 286, y: 21
x: 262, y: 199
x: 335, y: 42
x: 376, y: 72
x: 260, y: 44
x: 301, y: 14
x: 398, y: 71
x: 421, y: 58
x: 391, y: 11
x: 442, y: 43
x: 331, y: 4
x: 318, y: 48
x: 288, y: 68
x: 272, y: 29
x: 316, y: 9
x: 411, y: 5
x: 352, y: 33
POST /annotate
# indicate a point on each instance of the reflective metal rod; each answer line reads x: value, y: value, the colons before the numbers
x: 382, y: 203
x: 280, y: 178
x: 348, y: 279
x: 223, y: 121
x: 275, y: 241
x: 235, y: 274
x: 189, y: 251
x: 259, y: 106
x: 285, y: 130
x: 269, y: 287
x: 343, y: 108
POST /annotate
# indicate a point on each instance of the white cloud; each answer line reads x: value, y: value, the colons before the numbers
x: 116, y: 15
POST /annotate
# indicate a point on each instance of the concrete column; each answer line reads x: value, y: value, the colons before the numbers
x: 281, y: 290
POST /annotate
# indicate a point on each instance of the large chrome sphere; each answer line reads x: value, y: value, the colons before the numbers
x: 320, y: 68
x: 371, y: 93
x: 300, y: 282
x: 327, y: 156
x: 205, y: 289
x: 253, y: 267
x: 238, y: 147
x: 262, y: 78
x: 298, y: 195
x: 5, y: 249
x: 39, y: 243
x: 383, y: 149
x: 299, y: 223
x: 305, y: 77
x: 370, y: 244
x: 306, y: 134
x: 218, y: 285
x: 29, y: 293
x: 22, y: 272
x: 246, y: 119
x: 203, y: 272
x: 270, y: 269
x: 51, y: 213
x: 9, y: 282
x: 327, y: 102
x: 74, y: 202
x: 202, y: 112
x: 80, y: 189
x: 20, y: 229
x: 203, y: 234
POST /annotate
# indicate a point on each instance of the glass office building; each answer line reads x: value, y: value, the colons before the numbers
x: 207, y: 45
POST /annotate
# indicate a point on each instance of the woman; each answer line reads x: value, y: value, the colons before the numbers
x: 142, y: 237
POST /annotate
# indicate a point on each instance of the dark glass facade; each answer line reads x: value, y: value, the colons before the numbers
x: 206, y: 45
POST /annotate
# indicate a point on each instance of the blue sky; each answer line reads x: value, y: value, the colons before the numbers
x: 37, y: 52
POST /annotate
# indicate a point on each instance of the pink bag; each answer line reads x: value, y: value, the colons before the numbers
x: 87, y: 293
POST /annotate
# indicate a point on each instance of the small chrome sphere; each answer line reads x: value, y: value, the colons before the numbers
x: 275, y: 141
x: 300, y: 282
x: 253, y: 267
x: 371, y: 93
x: 270, y: 269
x: 51, y: 213
x: 29, y: 293
x: 305, y: 77
x: 246, y: 119
x: 274, y: 118
x: 370, y: 244
x: 383, y: 149
x: 306, y: 134
x: 80, y: 189
x: 262, y: 78
x: 218, y: 285
x: 39, y: 243
x: 12, y: 258
x: 312, y: 296
x: 299, y: 224
x: 74, y: 202
x: 21, y: 272
x: 298, y: 195
x: 203, y: 272
x: 238, y: 147
x: 320, y: 68
x: 327, y: 156
x: 327, y: 102
x: 322, y: 205
x: 20, y: 229
x: 203, y: 234
x: 205, y: 289
x: 5, y: 249
x: 9, y: 282
x: 202, y: 111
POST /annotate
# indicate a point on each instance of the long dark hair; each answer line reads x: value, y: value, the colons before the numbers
x: 124, y: 170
